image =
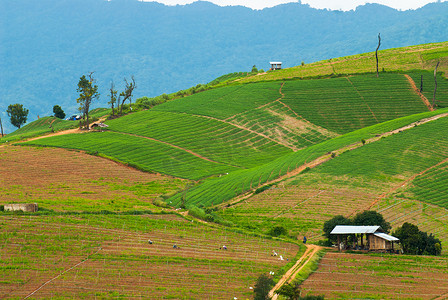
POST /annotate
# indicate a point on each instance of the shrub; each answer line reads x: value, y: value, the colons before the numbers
x: 263, y: 286
x: 278, y: 231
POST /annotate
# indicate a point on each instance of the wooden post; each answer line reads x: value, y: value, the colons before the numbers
x: 339, y: 244
x: 1, y: 126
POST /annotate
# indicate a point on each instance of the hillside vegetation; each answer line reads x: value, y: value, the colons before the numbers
x: 257, y: 154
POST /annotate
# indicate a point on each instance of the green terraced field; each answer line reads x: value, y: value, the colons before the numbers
x: 144, y: 154
x: 225, y: 102
x: 428, y: 87
x: 405, y: 154
x: 218, y: 190
x: 432, y: 186
x: 46, y: 124
x: 213, y: 139
x: 345, y: 104
x: 39, y: 127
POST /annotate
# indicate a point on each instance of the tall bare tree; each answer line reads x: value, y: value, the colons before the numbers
x: 435, y: 86
x: 113, y: 96
x: 376, y: 54
x: 1, y: 126
x: 127, y: 94
x: 88, y: 92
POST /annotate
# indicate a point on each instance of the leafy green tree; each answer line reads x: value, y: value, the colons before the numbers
x: 88, y: 92
x: 263, y: 286
x: 331, y: 224
x: 254, y: 69
x: 17, y: 114
x: 414, y: 241
x: 371, y: 218
x: 289, y: 291
x: 58, y: 112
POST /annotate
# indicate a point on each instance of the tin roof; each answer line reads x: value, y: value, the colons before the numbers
x: 349, y: 229
x: 275, y: 62
x: 386, y: 237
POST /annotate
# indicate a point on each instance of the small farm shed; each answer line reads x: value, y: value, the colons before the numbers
x: 377, y: 239
x: 29, y: 207
x: 276, y: 65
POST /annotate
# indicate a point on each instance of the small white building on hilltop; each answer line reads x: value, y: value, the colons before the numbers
x: 276, y: 65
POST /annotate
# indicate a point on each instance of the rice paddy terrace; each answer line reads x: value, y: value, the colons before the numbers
x: 291, y: 148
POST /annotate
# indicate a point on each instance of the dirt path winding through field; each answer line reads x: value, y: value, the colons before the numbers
x: 417, y: 91
x: 289, y: 276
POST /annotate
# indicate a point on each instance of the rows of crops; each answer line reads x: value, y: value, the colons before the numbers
x: 432, y: 186
x: 49, y: 124
x: 354, y: 276
x: 280, y: 123
x: 426, y: 81
x: 404, y: 154
x: 39, y: 127
x: 63, y: 180
x: 219, y: 190
x: 429, y: 218
x: 398, y: 59
x: 346, y: 104
x: 117, y: 260
x: 210, y: 138
x: 301, y: 208
x: 144, y: 154
x: 225, y: 102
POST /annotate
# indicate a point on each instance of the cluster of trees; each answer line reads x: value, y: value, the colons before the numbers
x: 365, y: 218
x: 414, y: 241
x: 19, y: 114
x: 88, y: 92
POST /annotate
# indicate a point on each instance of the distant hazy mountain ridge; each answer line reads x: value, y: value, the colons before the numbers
x: 47, y: 45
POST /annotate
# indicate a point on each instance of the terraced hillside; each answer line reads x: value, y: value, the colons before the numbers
x: 63, y: 180
x: 349, y: 276
x: 241, y: 127
x: 281, y: 149
x: 108, y: 256
x: 419, y: 57
x: 393, y: 176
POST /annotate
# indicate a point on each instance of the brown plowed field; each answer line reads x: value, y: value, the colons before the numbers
x: 68, y: 180
x: 117, y: 259
x: 350, y: 276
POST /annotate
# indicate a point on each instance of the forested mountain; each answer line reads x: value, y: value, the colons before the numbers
x: 46, y: 45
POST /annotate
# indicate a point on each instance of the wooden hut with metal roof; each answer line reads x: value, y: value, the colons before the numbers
x: 377, y: 239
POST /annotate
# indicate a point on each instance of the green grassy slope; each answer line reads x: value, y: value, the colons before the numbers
x: 419, y: 57
x: 144, y: 154
x: 47, y: 125
x: 39, y: 127
x: 349, y: 103
x: 354, y: 181
x: 215, y: 140
x: 218, y: 190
